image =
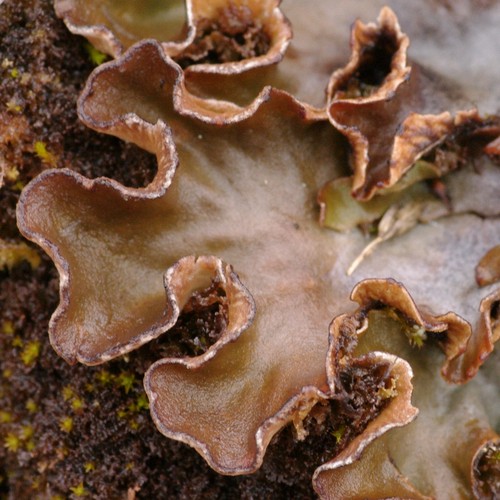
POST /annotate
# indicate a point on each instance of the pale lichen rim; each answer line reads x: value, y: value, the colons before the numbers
x: 307, y: 397
x: 399, y: 73
x: 221, y: 269
x: 493, y: 442
x: 109, y: 42
x: 467, y: 336
x: 210, y: 111
x: 65, y: 279
x: 237, y: 67
x: 402, y: 400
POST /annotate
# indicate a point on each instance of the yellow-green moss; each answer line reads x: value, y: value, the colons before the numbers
x: 12, y: 442
x: 89, y: 466
x: 31, y: 406
x: 339, y: 433
x: 40, y: 149
x: 5, y: 417
x: 30, y: 352
x: 79, y: 490
x: 388, y: 392
x: 96, y: 56
x: 66, y: 424
x: 8, y: 328
x: 126, y: 380
x: 12, y: 254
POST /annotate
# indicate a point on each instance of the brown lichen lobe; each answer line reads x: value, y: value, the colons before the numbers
x: 185, y: 211
x: 378, y: 56
x: 276, y: 368
x: 114, y: 26
x: 215, y: 35
x: 392, y: 113
x: 225, y: 47
x: 309, y: 282
x: 393, y: 471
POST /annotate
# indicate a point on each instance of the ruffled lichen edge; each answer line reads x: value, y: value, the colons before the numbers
x: 372, y: 293
x: 106, y: 40
x: 149, y: 53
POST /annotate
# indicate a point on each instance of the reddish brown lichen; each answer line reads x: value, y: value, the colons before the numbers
x: 286, y: 334
x: 176, y: 206
x: 392, y: 113
x: 250, y: 34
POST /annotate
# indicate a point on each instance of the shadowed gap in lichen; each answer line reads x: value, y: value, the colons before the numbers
x: 234, y: 35
x: 374, y: 66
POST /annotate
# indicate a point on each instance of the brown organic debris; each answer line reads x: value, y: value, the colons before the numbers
x: 231, y: 36
x: 486, y: 471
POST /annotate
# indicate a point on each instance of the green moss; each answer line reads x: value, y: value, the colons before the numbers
x: 126, y: 380
x: 30, y: 352
x: 79, y: 490
x: 77, y: 404
x: 27, y: 432
x: 5, y: 417
x: 96, y: 56
x: 40, y: 149
x: 13, y: 254
x: 389, y: 392
x: 13, y: 107
x: 338, y: 434
x: 104, y: 377
x: 11, y: 174
x: 29, y: 445
x: 67, y: 393
x: 142, y: 402
x: 8, y: 328
x: 17, y: 341
x: 31, y: 406
x: 416, y: 334
x: 66, y: 424
x: 12, y: 442
x: 89, y: 467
